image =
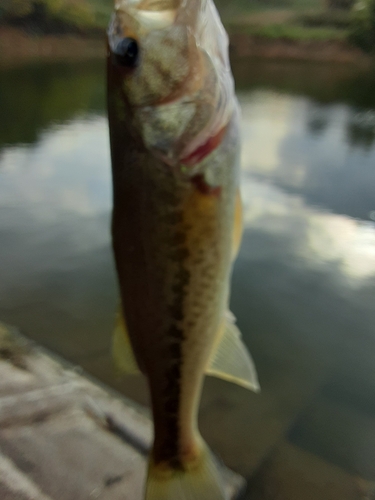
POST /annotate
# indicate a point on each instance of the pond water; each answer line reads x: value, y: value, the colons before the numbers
x: 303, y: 284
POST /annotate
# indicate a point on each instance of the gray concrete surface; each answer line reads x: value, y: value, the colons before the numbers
x: 64, y: 437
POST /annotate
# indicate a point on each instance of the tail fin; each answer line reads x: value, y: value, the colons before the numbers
x: 201, y: 481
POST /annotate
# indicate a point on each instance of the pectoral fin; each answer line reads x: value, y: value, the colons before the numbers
x: 122, y: 351
x: 231, y: 361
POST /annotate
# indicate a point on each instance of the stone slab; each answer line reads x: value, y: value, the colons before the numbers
x: 65, y: 437
x: 291, y: 473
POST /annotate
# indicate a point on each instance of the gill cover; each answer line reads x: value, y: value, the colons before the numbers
x: 181, y: 91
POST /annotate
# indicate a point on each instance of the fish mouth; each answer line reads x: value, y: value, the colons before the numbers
x: 144, y: 16
x: 158, y: 4
x: 149, y: 5
x: 150, y: 15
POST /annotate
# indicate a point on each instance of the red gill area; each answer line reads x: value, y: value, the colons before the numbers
x: 197, y: 156
x: 205, y: 149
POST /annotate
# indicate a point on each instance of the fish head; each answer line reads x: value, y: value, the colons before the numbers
x: 173, y: 75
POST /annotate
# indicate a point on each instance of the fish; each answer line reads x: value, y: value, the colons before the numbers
x: 176, y: 225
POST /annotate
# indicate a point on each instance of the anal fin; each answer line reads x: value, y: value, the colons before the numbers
x: 122, y: 351
x: 231, y: 361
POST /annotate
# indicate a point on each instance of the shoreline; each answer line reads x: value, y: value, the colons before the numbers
x: 324, y: 51
x: 18, y: 47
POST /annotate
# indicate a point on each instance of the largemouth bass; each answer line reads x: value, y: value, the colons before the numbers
x: 176, y: 225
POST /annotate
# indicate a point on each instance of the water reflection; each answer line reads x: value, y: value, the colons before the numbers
x: 326, y: 169
x: 324, y: 83
x: 327, y: 238
x: 318, y: 118
x: 33, y: 98
x: 66, y: 171
x: 55, y: 255
x: 361, y: 128
x: 303, y: 284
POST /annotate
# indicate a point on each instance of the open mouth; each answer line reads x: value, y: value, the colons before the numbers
x: 148, y: 15
x: 153, y: 5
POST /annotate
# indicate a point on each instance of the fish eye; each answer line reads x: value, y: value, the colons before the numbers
x: 127, y: 53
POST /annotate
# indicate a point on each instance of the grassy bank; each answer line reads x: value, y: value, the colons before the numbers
x: 289, y: 49
x: 292, y: 24
x: 297, y: 29
x: 18, y: 47
x: 287, y: 32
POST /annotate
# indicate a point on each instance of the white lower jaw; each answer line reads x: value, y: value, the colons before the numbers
x: 155, y: 20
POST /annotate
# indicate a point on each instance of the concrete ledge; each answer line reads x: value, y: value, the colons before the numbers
x: 64, y: 437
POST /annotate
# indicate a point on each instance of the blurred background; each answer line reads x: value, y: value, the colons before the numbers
x: 304, y: 283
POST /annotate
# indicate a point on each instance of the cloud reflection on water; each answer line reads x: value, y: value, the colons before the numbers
x: 283, y: 164
x: 320, y: 238
x: 326, y: 168
x: 66, y: 171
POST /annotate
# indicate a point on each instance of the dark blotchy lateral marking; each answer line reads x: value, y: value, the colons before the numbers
x: 183, y: 277
x: 176, y: 312
x: 173, y: 218
x: 173, y: 372
x: 179, y: 238
x: 171, y: 406
x: 169, y: 452
x: 175, y: 350
x: 173, y: 384
x: 175, y: 335
x: 180, y: 253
